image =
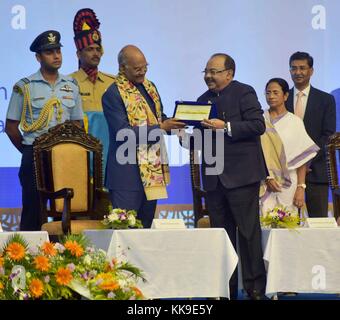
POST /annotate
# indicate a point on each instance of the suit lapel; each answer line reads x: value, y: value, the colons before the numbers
x: 290, y: 101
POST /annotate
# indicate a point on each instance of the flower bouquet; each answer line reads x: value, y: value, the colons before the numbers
x: 280, y: 217
x: 66, y: 270
x: 122, y: 219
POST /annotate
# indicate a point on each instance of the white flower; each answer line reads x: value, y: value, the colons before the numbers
x: 113, y: 217
x: 293, y: 213
x: 111, y: 295
x: 71, y: 267
x: 122, y: 283
x: 126, y: 289
x: 132, y: 220
x: 59, y: 247
x: 130, y: 282
x: 272, y: 214
x: 87, y: 259
x: 92, y: 273
x: 90, y: 249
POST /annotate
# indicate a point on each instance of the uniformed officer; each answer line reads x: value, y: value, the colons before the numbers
x: 38, y: 103
x: 92, y: 82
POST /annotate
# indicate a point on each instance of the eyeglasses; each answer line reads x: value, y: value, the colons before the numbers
x: 302, y: 68
x: 141, y: 69
x: 213, y: 72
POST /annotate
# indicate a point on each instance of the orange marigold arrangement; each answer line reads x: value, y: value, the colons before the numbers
x: 66, y: 270
x: 36, y: 288
x: 15, y: 251
x: 75, y: 248
x: 42, y: 263
x: 48, y: 249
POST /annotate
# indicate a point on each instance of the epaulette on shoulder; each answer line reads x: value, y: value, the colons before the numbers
x: 73, y: 80
x: 25, y: 80
x: 109, y: 75
x: 18, y: 87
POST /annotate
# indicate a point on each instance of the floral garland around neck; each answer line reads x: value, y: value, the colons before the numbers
x: 152, y: 158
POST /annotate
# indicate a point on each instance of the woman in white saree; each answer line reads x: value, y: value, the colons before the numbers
x: 287, y: 150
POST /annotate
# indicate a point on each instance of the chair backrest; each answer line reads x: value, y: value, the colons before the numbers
x: 198, y: 194
x: 63, y: 159
x: 333, y: 162
x: 69, y: 164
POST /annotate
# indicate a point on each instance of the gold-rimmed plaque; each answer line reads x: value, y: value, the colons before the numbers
x: 193, y: 113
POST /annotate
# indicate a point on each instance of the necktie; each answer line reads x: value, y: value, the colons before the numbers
x: 298, y: 106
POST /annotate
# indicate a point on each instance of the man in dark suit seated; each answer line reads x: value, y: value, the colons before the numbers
x: 317, y: 109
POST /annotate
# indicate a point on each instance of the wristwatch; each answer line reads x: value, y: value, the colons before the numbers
x: 227, y: 128
x: 302, y: 185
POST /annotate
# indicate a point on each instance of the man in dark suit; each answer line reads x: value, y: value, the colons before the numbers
x: 134, y: 112
x: 317, y: 109
x: 233, y: 195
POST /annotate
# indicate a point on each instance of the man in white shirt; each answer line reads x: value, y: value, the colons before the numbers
x: 317, y: 109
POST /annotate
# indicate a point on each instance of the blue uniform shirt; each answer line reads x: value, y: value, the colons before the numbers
x: 65, y: 89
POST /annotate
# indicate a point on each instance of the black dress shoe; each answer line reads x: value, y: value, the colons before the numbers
x: 256, y: 295
x: 288, y: 294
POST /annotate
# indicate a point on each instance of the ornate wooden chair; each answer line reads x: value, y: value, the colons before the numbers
x: 333, y: 162
x: 63, y: 158
x: 198, y: 194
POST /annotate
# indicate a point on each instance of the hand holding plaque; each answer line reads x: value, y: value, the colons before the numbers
x: 171, y: 123
x: 213, y: 124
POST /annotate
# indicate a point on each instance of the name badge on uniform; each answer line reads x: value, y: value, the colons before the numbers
x: 66, y: 88
x: 38, y: 98
x: 67, y: 97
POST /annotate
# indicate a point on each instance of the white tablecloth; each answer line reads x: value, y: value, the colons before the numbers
x: 176, y: 263
x: 302, y: 260
x: 34, y: 238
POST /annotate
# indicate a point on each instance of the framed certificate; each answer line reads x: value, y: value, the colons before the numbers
x: 192, y: 113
